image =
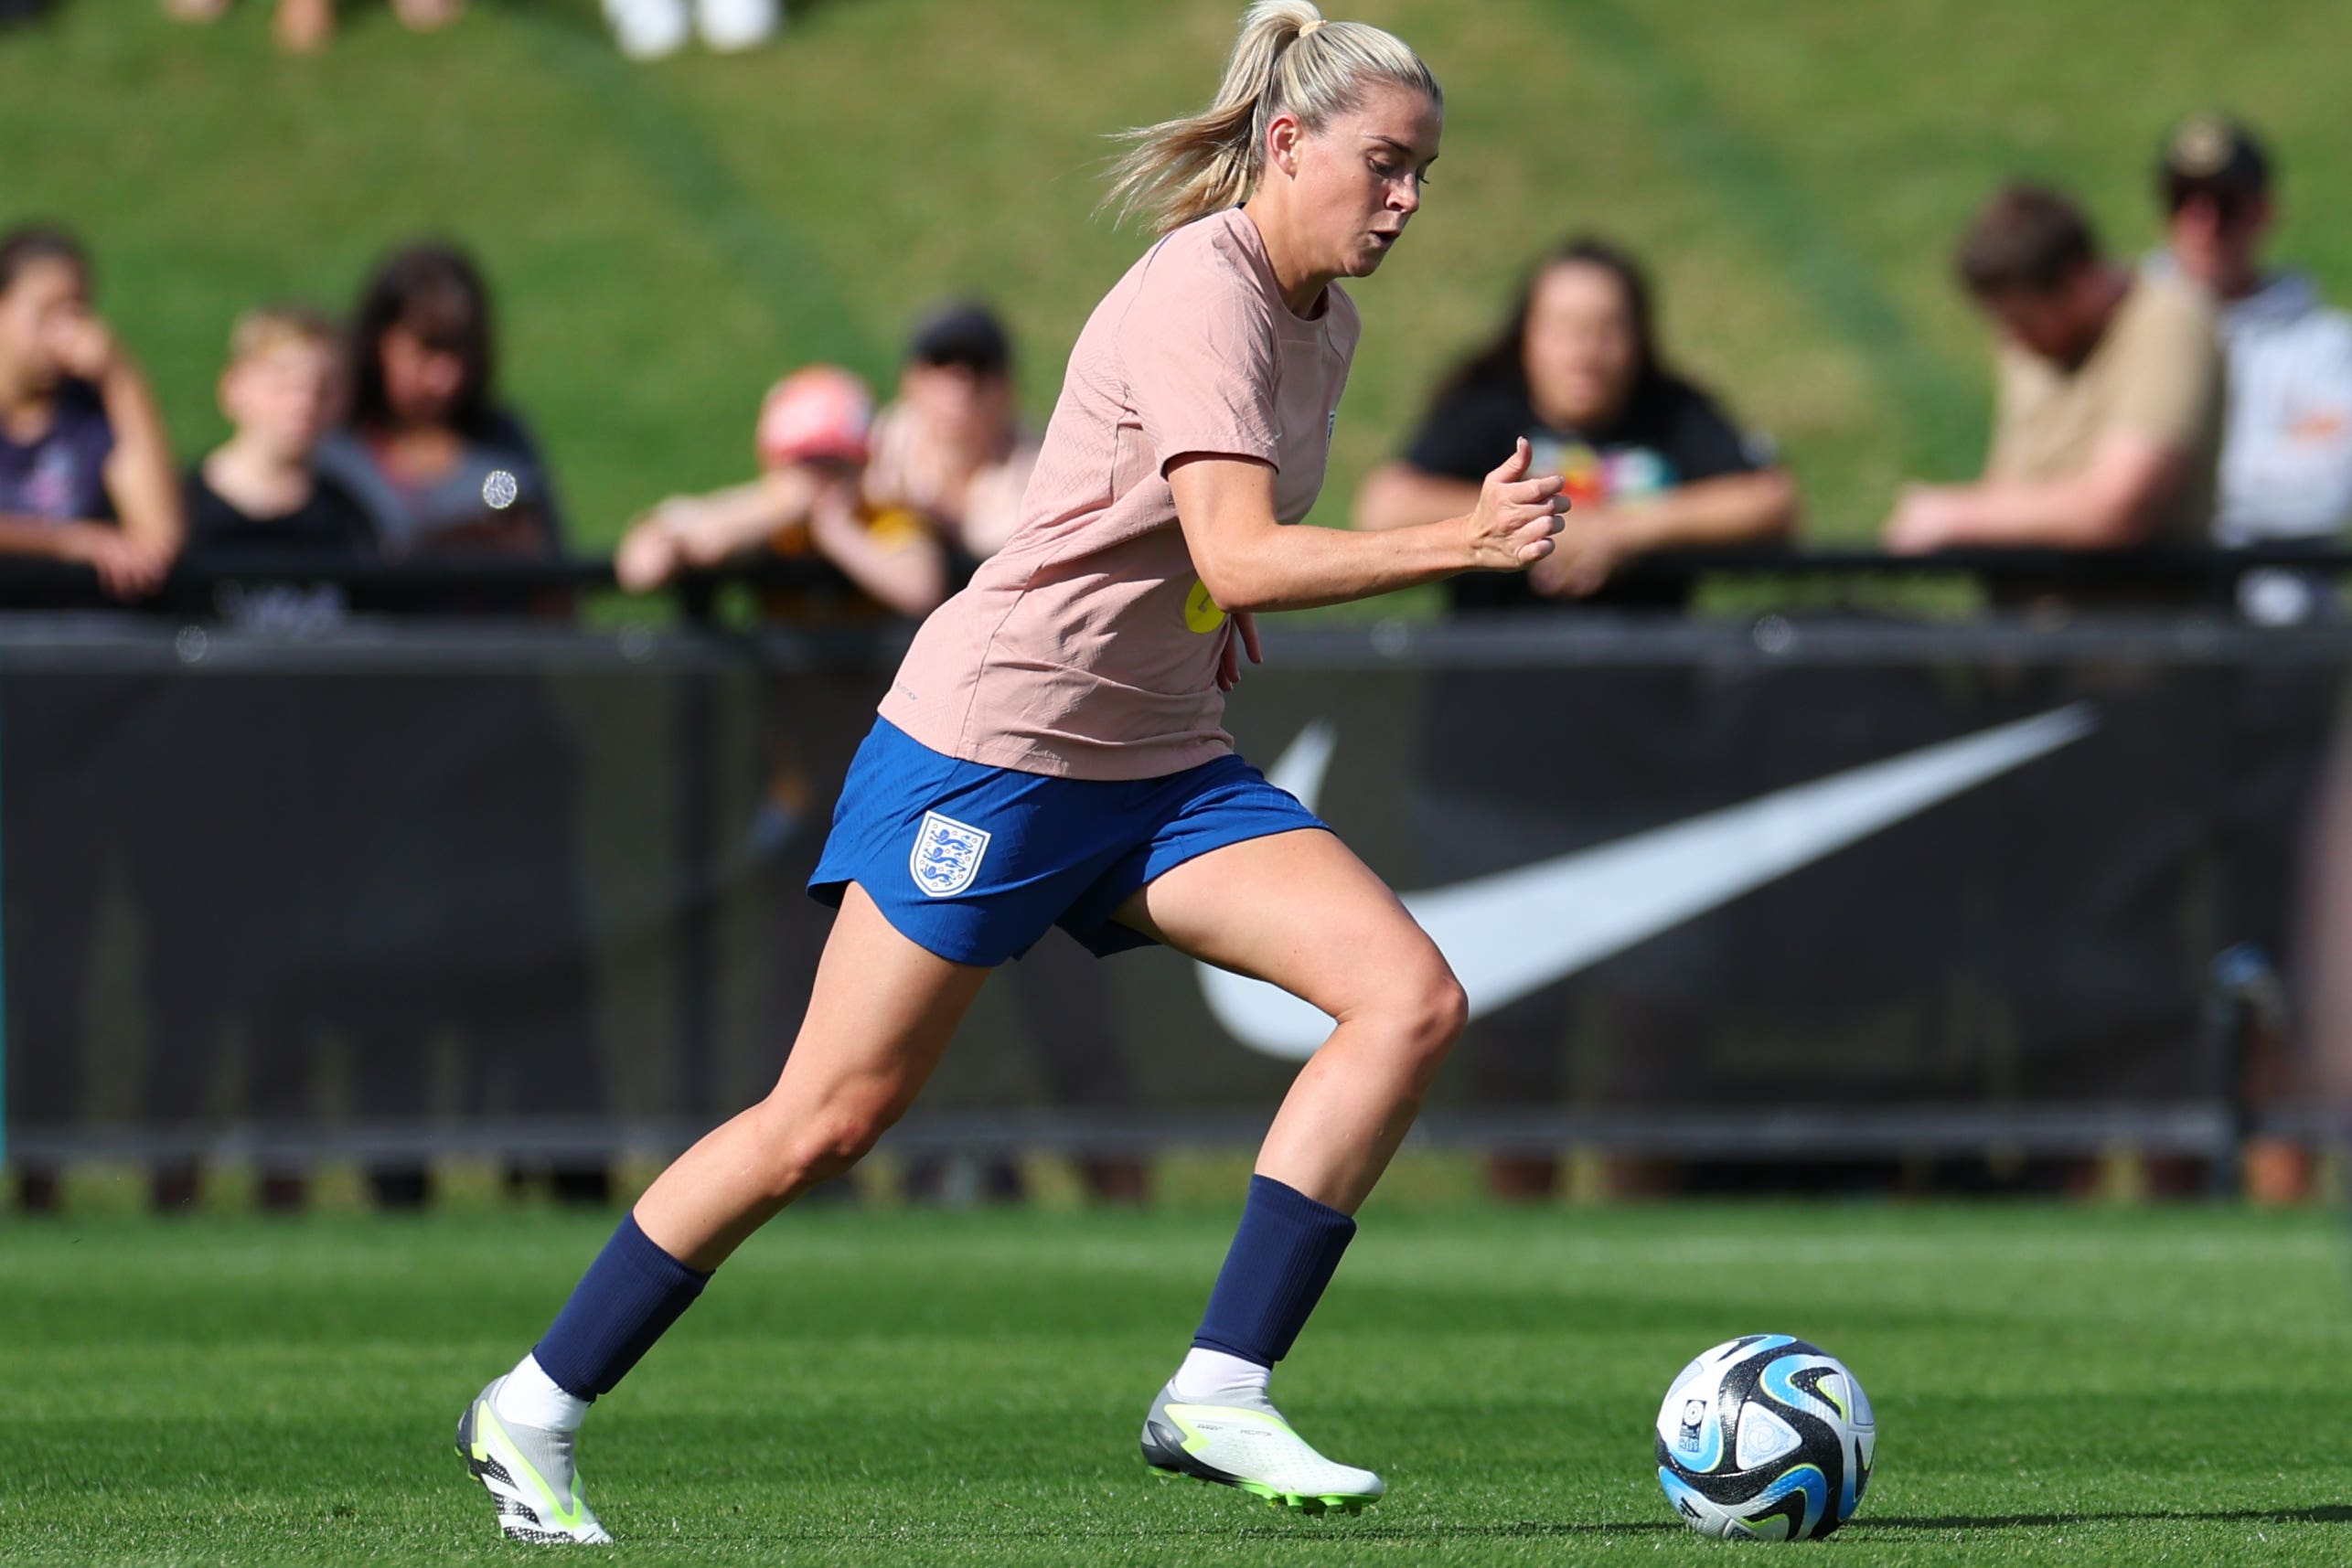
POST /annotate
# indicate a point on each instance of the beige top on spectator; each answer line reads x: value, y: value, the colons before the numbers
x: 1087, y: 646
x: 2157, y: 373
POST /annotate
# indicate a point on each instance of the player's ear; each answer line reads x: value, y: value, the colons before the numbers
x: 1282, y: 139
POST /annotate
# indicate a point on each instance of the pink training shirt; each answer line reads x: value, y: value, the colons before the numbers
x: 1086, y: 647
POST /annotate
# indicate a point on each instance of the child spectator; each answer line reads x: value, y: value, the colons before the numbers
x: 436, y: 465
x: 810, y: 500
x: 1651, y: 461
x: 255, y: 494
x: 85, y: 467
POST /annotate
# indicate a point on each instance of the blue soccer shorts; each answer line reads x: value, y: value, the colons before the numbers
x: 974, y: 862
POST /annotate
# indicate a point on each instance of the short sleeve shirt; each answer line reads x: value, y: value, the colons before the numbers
x: 1086, y: 647
x: 2157, y: 373
x: 498, y: 479
x: 60, y: 475
x: 1671, y: 434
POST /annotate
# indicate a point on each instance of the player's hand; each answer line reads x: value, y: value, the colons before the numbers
x: 1229, y: 656
x: 1516, y: 518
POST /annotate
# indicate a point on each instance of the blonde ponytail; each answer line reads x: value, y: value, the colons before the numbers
x: 1287, y: 60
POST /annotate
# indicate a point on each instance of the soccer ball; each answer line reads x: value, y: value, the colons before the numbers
x: 1765, y: 1438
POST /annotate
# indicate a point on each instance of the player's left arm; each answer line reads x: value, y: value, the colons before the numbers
x: 1248, y: 560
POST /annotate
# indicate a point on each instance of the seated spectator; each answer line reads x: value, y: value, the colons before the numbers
x: 814, y: 440
x: 2107, y: 430
x: 306, y: 27
x: 85, y: 467
x: 255, y: 493
x: 952, y: 446
x: 431, y: 460
x: 1651, y: 461
x: 2286, y: 453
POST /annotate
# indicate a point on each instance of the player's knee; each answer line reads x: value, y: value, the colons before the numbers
x: 808, y: 1144
x: 841, y: 1136
x: 1427, y: 1009
x: 1442, y: 1013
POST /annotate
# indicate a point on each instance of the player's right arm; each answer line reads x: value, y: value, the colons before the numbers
x: 1249, y: 561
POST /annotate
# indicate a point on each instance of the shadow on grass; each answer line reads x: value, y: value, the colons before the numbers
x: 2332, y: 1513
x: 1339, y: 1533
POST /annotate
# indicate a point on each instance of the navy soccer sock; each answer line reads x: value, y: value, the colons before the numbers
x: 627, y: 1299
x: 1282, y: 1257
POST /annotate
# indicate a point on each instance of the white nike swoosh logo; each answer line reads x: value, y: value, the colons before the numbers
x: 1516, y: 932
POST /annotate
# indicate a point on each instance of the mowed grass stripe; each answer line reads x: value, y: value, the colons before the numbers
x: 2073, y: 1385
x: 1940, y: 405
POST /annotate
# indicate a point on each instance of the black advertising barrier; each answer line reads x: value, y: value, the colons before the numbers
x: 1784, y: 887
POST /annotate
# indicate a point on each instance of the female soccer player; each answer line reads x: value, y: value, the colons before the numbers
x: 1051, y: 754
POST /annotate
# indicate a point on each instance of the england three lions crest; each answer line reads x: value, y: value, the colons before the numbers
x: 946, y: 855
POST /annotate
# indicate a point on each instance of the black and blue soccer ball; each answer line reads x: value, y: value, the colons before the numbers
x: 1766, y: 1438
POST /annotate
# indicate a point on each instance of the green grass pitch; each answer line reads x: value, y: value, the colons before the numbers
x: 2081, y: 1386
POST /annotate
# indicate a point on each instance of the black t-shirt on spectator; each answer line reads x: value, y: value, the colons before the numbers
x: 1671, y: 433
x: 329, y: 526
x: 330, y: 523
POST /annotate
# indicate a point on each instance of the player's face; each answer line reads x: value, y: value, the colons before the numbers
x: 421, y: 381
x: 284, y: 396
x: 48, y: 301
x: 1359, y: 177
x: 1581, y: 348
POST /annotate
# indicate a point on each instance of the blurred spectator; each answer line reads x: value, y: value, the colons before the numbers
x: 813, y: 440
x: 462, y: 890
x: 1651, y: 461
x: 654, y: 29
x: 2107, y: 431
x: 2286, y: 454
x: 255, y: 494
x: 436, y: 463
x: 305, y: 26
x: 952, y: 445
x: 950, y: 452
x: 85, y: 467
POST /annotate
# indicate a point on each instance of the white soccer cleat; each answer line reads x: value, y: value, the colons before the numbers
x: 1241, y: 1440
x: 528, y: 1474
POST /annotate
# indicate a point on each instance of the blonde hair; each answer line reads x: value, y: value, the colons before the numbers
x: 1287, y: 60
x: 274, y: 326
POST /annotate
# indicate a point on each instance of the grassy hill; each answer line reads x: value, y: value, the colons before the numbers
x: 667, y: 240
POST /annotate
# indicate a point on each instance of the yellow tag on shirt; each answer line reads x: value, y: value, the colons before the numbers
x: 1200, y: 612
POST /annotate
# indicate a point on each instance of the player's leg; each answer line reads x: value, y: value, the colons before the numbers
x: 1297, y: 909
x: 880, y: 1014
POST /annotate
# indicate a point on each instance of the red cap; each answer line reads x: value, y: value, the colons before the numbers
x: 820, y: 413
